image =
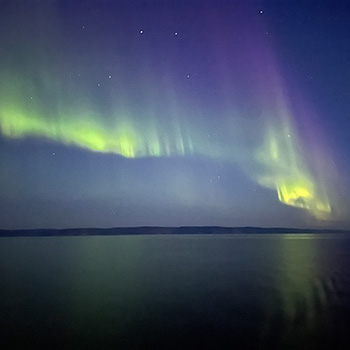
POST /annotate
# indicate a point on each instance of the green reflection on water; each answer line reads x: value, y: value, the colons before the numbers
x: 302, y: 297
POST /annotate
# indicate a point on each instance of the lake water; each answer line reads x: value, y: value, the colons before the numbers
x: 278, y: 291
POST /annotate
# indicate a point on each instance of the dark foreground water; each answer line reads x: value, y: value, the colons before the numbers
x: 176, y: 292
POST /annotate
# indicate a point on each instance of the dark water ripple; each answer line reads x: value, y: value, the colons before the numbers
x: 176, y: 292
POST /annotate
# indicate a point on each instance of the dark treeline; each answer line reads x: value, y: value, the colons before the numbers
x: 155, y: 230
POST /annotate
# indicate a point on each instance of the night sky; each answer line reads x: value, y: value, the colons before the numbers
x: 169, y: 113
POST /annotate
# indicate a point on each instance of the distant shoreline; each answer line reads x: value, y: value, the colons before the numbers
x: 157, y: 230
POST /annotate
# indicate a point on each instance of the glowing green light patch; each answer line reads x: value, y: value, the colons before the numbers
x: 292, y: 193
x: 286, y: 171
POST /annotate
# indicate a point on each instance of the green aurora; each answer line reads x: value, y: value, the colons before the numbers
x: 283, y: 167
x: 35, y: 102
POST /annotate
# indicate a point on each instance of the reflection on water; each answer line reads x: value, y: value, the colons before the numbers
x: 178, y: 292
x: 301, y: 297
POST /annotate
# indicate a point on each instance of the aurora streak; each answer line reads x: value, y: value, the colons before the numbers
x: 217, y: 91
x: 284, y: 170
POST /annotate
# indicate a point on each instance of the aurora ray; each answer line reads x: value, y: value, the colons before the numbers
x: 218, y: 90
x: 284, y: 170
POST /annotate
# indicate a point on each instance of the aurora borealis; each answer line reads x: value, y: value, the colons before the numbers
x: 126, y: 113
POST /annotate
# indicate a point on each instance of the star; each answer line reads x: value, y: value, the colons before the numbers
x: 141, y: 31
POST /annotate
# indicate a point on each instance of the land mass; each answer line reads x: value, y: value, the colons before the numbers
x: 156, y: 230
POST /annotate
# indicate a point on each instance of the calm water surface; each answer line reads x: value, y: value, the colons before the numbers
x: 280, y: 291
